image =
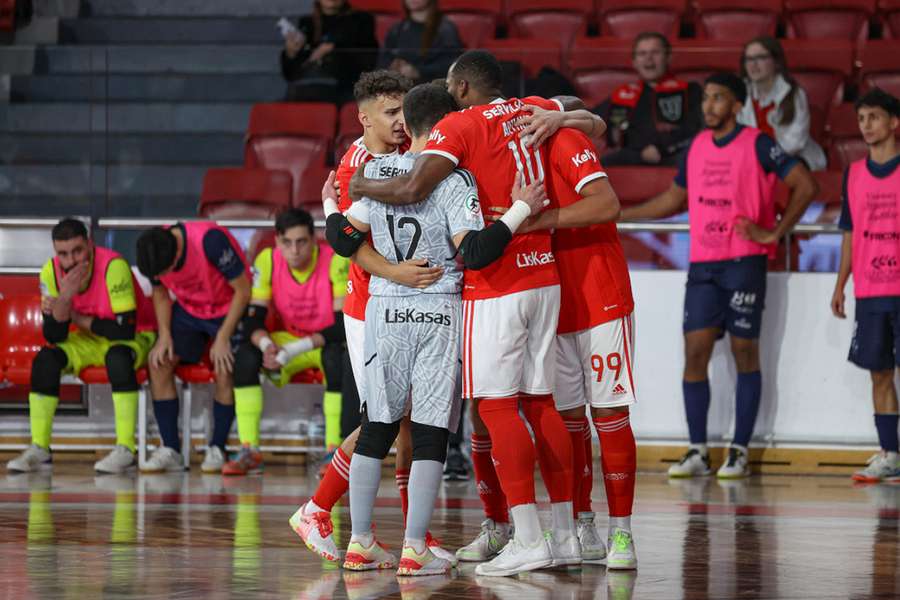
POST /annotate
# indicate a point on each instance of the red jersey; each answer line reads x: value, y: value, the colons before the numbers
x: 358, y: 281
x: 593, y: 275
x: 485, y: 140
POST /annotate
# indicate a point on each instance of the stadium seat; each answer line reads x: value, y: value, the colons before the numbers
x: 599, y: 65
x: 880, y: 61
x: 845, y: 143
x: 383, y: 24
x: 295, y: 137
x: 21, y: 336
x: 820, y: 67
x: 695, y: 60
x: 824, y: 19
x: 349, y: 129
x: 531, y: 54
x: 637, y: 184
x: 476, y: 20
x: 736, y: 21
x: 7, y: 15
x: 238, y: 193
x: 889, y: 11
x: 560, y: 20
x: 627, y: 18
x: 388, y: 7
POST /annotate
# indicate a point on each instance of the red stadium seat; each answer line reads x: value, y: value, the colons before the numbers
x: 379, y: 7
x: 349, y: 129
x: 695, y: 60
x: 238, y: 193
x: 532, y: 54
x: 294, y: 137
x: 99, y: 376
x: 881, y: 65
x: 820, y: 67
x: 476, y: 20
x: 890, y: 17
x: 844, y: 139
x: 736, y: 21
x: 21, y: 336
x: 7, y: 15
x: 599, y: 65
x: 560, y: 20
x: 627, y: 18
x: 824, y: 19
x: 383, y: 24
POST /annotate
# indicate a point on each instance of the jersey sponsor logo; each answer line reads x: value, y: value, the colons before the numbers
x: 584, y: 156
x: 436, y: 136
x: 776, y: 153
x: 503, y: 109
x: 411, y: 315
x: 884, y: 262
x: 716, y: 228
x: 881, y: 236
x: 616, y: 476
x: 386, y: 172
x: 743, y: 323
x: 714, y: 202
x: 227, y: 258
x: 120, y: 289
x: 743, y: 302
x: 534, y: 259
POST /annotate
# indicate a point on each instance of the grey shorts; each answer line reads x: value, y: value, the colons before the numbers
x: 412, y: 359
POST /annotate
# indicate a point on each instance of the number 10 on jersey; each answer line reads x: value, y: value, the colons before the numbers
x: 528, y: 163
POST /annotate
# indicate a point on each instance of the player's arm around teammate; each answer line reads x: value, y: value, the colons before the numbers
x: 870, y: 219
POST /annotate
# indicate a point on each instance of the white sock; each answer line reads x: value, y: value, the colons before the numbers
x: 311, y: 508
x: 623, y: 523
x: 365, y: 539
x: 365, y: 475
x: 424, y: 483
x: 417, y: 545
x: 527, y: 523
x: 701, y: 447
x: 561, y: 517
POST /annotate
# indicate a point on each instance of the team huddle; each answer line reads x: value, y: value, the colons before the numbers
x: 472, y: 257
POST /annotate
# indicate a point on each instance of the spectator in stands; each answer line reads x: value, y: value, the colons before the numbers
x: 324, y: 57
x: 653, y: 121
x: 423, y: 45
x: 92, y: 288
x: 778, y: 105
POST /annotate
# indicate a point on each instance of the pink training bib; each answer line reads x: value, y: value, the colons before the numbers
x: 199, y: 286
x: 875, y: 211
x: 724, y: 184
x: 94, y: 301
x: 304, y: 307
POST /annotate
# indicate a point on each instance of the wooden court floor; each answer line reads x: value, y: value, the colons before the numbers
x: 71, y: 534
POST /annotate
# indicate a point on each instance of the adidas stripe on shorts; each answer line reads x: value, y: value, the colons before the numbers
x: 596, y: 366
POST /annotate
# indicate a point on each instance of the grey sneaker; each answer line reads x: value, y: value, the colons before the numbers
x: 736, y: 466
x: 488, y: 544
x: 118, y: 461
x: 163, y: 460
x: 32, y: 459
x: 213, y: 461
x: 593, y: 550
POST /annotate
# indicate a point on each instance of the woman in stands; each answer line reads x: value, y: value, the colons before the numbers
x: 325, y: 55
x: 776, y: 103
x: 423, y: 45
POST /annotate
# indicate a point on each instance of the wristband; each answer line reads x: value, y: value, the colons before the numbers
x: 265, y: 343
x: 516, y: 215
x: 330, y: 206
x: 289, y: 351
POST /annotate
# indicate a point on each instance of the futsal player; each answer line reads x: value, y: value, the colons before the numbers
x: 92, y: 288
x: 727, y: 183
x: 413, y: 336
x: 303, y: 282
x: 203, y: 267
x: 870, y: 250
x: 510, y: 317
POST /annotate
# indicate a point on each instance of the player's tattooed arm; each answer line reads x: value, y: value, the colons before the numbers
x: 570, y: 102
x: 541, y: 123
x: 428, y: 171
x: 670, y: 202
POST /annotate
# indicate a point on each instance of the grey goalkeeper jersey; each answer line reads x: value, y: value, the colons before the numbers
x: 422, y: 230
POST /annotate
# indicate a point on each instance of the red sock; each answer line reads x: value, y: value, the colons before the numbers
x: 575, y: 427
x: 402, y: 477
x: 618, y: 457
x: 335, y: 482
x: 486, y: 482
x: 553, y: 446
x: 583, y: 500
x: 514, y: 457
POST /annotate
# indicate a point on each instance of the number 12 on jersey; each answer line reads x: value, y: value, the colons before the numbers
x: 527, y: 163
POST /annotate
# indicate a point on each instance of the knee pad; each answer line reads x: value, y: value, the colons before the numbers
x: 46, y: 369
x: 375, y: 439
x: 429, y: 442
x: 120, y: 369
x: 247, y: 363
x: 333, y: 365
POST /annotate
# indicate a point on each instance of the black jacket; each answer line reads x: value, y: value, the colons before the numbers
x: 404, y: 41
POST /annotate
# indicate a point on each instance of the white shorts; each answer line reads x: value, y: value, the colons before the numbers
x: 509, y: 344
x: 355, y: 331
x: 596, y: 366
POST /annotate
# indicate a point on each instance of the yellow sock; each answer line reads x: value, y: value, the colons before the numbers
x: 41, y: 409
x: 126, y: 406
x: 248, y: 406
x: 331, y: 406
